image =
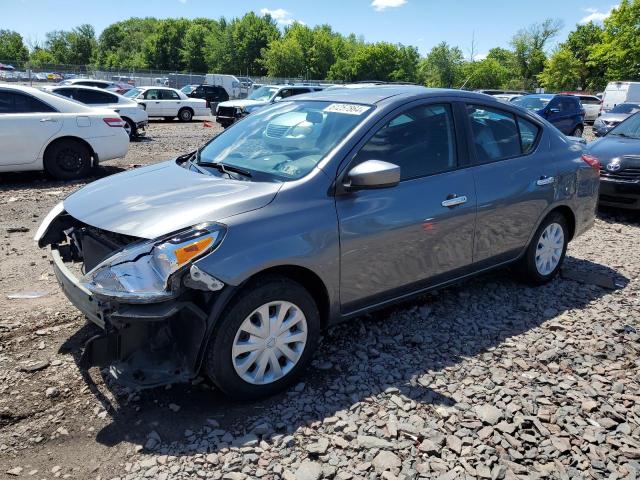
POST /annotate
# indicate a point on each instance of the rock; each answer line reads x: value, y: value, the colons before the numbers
x: 428, y: 446
x: 589, y: 406
x: 35, y: 366
x: 173, y: 407
x: 488, y: 413
x: 386, y: 461
x: 309, y: 471
x: 51, y: 392
x: 320, y: 447
x: 454, y: 444
x: 15, y: 471
x: 366, y: 441
x: 562, y: 444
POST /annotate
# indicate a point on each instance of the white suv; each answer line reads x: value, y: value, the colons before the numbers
x: 43, y: 131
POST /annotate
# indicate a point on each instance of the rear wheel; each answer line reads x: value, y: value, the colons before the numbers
x: 545, y: 254
x: 67, y: 160
x: 185, y: 115
x: 130, y: 128
x: 265, y: 339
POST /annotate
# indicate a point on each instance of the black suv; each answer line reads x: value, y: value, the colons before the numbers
x: 213, y: 94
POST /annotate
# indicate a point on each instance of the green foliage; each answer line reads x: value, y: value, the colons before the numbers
x: 487, y: 73
x: 561, y: 72
x: 12, y: 48
x: 442, y: 67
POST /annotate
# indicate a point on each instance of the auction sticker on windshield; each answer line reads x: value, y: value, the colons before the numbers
x: 348, y: 108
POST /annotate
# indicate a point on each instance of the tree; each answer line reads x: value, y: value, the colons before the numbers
x: 163, y: 47
x: 529, y: 46
x: 248, y: 36
x: 618, y: 53
x: 121, y: 44
x: 377, y: 61
x: 12, y: 47
x: 82, y: 45
x: 442, y: 67
x: 561, y: 72
x: 487, y: 73
x: 581, y: 43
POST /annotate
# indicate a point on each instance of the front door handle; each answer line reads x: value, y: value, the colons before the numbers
x: 544, y: 180
x: 454, y: 200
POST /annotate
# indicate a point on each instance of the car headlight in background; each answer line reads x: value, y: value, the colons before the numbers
x: 144, y: 272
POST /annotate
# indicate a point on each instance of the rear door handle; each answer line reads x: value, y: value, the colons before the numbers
x: 454, y: 200
x: 544, y: 180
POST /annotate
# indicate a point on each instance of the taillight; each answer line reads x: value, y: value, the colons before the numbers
x: 592, y: 161
x: 113, y: 121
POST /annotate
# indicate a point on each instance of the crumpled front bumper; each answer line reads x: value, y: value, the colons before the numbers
x: 144, y: 345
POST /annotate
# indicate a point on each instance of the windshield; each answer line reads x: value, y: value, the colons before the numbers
x: 629, y: 128
x: 263, y: 94
x: 531, y: 103
x: 287, y: 140
x: 134, y: 92
x: 188, y: 89
x: 625, y: 108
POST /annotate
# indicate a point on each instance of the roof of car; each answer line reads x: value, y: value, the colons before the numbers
x: 376, y: 94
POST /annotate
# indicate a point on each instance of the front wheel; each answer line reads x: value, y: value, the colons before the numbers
x: 265, y: 339
x: 545, y: 254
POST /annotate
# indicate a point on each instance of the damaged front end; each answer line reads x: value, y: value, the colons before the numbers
x: 148, y: 296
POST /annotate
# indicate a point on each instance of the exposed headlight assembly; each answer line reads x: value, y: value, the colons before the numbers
x: 145, y: 272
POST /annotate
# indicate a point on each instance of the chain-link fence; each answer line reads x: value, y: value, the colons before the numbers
x: 26, y: 73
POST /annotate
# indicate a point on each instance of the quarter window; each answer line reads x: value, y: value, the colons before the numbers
x: 421, y: 141
x: 495, y: 133
x: 528, y: 134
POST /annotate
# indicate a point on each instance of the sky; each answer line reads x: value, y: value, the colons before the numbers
x: 422, y: 23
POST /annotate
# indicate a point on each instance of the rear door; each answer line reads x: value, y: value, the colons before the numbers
x: 26, y: 125
x: 397, y: 240
x: 515, y: 181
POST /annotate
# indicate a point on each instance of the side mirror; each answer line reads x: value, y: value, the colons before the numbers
x: 553, y: 110
x: 277, y: 99
x: 372, y: 174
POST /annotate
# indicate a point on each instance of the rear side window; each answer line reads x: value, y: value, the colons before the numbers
x: 421, y: 141
x: 169, y: 95
x: 528, y: 134
x: 94, y: 97
x: 495, y: 133
x: 12, y: 102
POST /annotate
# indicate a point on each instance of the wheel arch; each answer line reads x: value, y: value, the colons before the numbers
x: 67, y: 138
x: 567, y: 213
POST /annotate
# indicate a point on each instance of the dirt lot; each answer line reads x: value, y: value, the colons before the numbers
x: 489, y: 379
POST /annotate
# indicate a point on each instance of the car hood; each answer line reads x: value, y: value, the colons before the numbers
x: 610, y: 147
x: 159, y: 199
x: 241, y: 103
x: 614, y: 117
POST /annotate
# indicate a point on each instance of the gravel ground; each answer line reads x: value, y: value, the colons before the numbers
x: 487, y: 379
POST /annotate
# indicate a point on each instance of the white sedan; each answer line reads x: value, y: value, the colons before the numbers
x: 42, y: 131
x: 168, y: 103
x: 130, y: 111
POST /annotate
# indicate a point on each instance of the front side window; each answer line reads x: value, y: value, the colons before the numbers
x: 495, y: 133
x: 263, y: 94
x: 286, y: 140
x: 152, y: 94
x: 133, y: 93
x: 421, y: 141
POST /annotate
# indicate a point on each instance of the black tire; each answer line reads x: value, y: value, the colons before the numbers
x: 131, y: 128
x: 168, y: 119
x: 218, y: 363
x: 67, y: 160
x: 185, y: 115
x: 578, y: 131
x: 526, y: 267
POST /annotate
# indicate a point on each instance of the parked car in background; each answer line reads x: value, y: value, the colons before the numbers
x: 168, y: 103
x: 87, y: 82
x: 134, y: 116
x: 618, y: 154
x: 43, y: 131
x: 614, y: 117
x: 212, y: 94
x: 230, y: 83
x: 620, y: 92
x: 228, y: 112
x: 507, y: 97
x: 591, y: 105
x: 187, y: 89
x: 565, y: 112
x: 233, y: 258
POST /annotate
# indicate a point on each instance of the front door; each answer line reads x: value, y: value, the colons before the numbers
x: 153, y: 103
x: 397, y: 240
x: 515, y: 180
x: 170, y: 102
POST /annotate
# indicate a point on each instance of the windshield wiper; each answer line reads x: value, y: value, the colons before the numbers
x: 186, y: 156
x: 225, y: 168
